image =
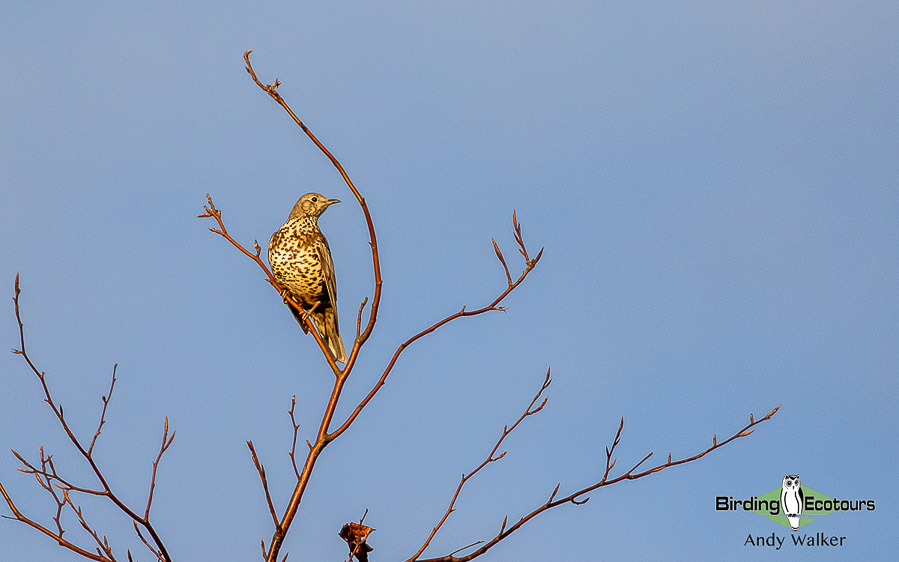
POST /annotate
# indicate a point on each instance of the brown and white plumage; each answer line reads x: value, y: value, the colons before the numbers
x: 301, y: 263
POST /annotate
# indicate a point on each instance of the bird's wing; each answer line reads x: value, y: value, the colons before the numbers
x: 273, y: 241
x: 324, y: 254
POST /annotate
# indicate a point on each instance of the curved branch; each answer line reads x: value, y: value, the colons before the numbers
x: 87, y: 454
x: 212, y: 212
x: 56, y: 536
x: 577, y: 497
x: 530, y: 410
x: 512, y: 285
x: 324, y: 437
x: 261, y: 470
x: 272, y: 90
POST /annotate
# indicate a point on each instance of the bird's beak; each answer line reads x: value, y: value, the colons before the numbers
x: 332, y: 201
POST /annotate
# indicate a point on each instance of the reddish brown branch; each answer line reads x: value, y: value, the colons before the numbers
x: 577, y: 497
x: 296, y: 430
x: 45, y: 476
x: 502, y: 260
x: 261, y: 470
x: 359, y: 316
x: 324, y: 437
x: 48, y: 477
x: 512, y: 285
x: 272, y: 90
x: 321, y: 441
x: 57, y: 536
x: 102, y: 544
x: 105, y: 400
x: 491, y: 457
x: 150, y: 547
x: 212, y: 212
x: 166, y: 442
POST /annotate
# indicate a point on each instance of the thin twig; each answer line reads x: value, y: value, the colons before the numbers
x: 150, y: 547
x: 324, y: 437
x: 103, y: 412
x: 578, y: 497
x: 214, y: 213
x: 493, y: 306
x: 166, y: 442
x: 261, y: 470
x: 102, y: 544
x: 359, y: 317
x: 296, y: 430
x: 502, y: 260
x: 271, y: 89
x: 51, y: 475
x: 491, y: 457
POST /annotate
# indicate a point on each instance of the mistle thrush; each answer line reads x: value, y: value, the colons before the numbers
x: 301, y: 263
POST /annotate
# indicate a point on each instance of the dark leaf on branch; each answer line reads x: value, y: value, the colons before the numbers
x: 356, y: 535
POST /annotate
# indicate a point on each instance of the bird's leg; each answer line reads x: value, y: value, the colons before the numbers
x: 285, y: 294
x: 307, y: 313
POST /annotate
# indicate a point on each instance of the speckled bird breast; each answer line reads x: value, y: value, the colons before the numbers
x: 293, y: 253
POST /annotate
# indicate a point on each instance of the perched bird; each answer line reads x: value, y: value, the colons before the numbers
x: 301, y: 263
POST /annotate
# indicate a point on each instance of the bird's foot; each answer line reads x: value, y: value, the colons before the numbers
x: 307, y: 313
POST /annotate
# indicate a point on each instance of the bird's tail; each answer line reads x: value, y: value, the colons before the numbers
x: 326, y: 322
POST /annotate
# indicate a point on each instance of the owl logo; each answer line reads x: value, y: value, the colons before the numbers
x: 791, y: 500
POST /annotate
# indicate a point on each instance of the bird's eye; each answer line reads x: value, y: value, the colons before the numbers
x: 314, y: 199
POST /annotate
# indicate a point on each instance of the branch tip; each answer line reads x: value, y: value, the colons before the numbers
x: 555, y: 491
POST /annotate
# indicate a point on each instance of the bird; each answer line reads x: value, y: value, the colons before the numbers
x: 301, y: 263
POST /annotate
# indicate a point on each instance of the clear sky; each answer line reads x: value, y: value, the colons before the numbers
x: 715, y: 185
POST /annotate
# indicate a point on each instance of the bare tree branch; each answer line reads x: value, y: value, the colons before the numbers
x: 296, y: 430
x: 578, y: 497
x: 166, y: 442
x: 48, y: 478
x: 105, y: 400
x: 325, y: 435
x: 64, y: 493
x: 56, y: 536
x: 103, y: 545
x: 212, y: 212
x: 491, y: 457
x: 272, y: 90
x: 261, y: 470
x: 149, y: 546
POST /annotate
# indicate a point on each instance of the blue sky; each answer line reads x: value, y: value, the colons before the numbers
x: 715, y: 185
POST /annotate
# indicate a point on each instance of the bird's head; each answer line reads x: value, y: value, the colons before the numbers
x: 311, y: 205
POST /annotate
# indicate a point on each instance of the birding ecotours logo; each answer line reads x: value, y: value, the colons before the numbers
x: 792, y: 504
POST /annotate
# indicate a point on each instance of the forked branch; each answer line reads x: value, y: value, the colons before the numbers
x: 272, y: 90
x: 363, y: 329
x: 491, y: 457
x: 529, y: 265
x: 214, y: 213
x: 578, y: 497
x: 54, y: 484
